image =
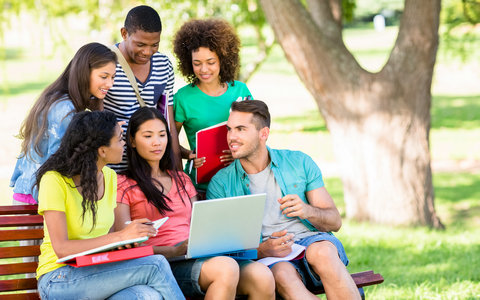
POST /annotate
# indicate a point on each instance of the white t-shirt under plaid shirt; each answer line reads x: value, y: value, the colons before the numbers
x: 121, y: 98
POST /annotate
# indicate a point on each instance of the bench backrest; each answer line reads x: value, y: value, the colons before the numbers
x: 18, y: 262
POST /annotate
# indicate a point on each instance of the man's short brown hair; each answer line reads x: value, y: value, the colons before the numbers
x: 261, y: 116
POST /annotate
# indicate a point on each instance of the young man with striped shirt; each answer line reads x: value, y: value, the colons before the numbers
x: 153, y: 70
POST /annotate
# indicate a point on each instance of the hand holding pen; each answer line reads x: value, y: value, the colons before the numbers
x: 135, y: 229
x: 194, y: 161
x: 279, y: 244
x: 140, y: 227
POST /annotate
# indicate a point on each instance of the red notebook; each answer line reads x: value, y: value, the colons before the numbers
x: 211, y: 142
x: 110, y: 256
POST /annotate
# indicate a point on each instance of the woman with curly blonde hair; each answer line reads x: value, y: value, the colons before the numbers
x: 208, y: 56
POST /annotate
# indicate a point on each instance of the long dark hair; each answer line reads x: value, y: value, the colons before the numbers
x: 78, y: 154
x: 75, y: 82
x: 139, y: 169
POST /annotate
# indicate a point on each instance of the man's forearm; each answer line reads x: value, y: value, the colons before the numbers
x: 324, y: 219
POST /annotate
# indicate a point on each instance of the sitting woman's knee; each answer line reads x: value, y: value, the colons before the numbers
x: 257, y: 279
x: 284, y: 273
x: 221, y: 268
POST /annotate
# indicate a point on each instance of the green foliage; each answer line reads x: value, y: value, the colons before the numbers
x: 471, y: 11
x: 459, y: 33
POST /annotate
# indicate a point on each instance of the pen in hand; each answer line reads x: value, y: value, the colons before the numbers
x: 278, y: 237
x: 191, y: 164
x: 145, y: 223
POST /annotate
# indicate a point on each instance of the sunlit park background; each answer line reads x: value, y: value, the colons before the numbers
x: 417, y: 263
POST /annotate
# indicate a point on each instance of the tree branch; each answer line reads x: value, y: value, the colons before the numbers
x: 418, y: 36
x: 326, y: 14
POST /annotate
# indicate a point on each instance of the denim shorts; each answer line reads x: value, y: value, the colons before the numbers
x: 187, y: 273
x: 309, y: 277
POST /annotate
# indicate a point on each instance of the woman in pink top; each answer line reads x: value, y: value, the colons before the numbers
x: 153, y: 188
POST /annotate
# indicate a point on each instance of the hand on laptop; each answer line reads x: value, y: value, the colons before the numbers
x: 278, y: 245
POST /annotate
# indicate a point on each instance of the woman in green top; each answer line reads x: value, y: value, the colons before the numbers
x: 208, y: 56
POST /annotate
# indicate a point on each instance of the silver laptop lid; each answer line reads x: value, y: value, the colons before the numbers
x: 225, y: 225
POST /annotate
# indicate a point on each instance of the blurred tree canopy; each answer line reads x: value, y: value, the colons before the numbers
x: 461, y: 31
x: 458, y: 16
x: 110, y: 14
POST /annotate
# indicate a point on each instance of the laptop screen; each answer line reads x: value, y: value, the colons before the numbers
x: 225, y: 225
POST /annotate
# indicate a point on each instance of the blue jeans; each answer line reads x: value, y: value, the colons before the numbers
x: 148, y: 277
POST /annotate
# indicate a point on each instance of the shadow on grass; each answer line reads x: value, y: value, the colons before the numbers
x: 452, y: 112
x: 456, y: 112
x: 406, y: 265
x: 453, y: 188
x: 311, y: 121
x: 24, y: 87
x: 12, y: 53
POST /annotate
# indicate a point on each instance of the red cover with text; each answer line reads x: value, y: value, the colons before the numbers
x: 110, y: 256
x: 211, y: 142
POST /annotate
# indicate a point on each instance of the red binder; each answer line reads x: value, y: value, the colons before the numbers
x: 110, y: 256
x: 211, y: 142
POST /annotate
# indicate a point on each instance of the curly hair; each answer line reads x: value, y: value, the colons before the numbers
x: 78, y: 154
x: 217, y: 35
x: 141, y: 171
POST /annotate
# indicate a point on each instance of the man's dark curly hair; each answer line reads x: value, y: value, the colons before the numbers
x: 217, y: 35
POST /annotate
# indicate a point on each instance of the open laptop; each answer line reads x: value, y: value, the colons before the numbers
x: 226, y: 226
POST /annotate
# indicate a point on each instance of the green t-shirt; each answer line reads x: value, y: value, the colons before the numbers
x: 59, y: 193
x: 197, y: 110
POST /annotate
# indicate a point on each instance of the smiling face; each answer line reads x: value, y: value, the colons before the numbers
x: 140, y: 45
x: 151, y: 140
x: 101, y: 80
x: 244, y: 139
x: 206, y: 65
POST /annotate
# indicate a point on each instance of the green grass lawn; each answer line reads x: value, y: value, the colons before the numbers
x: 419, y: 263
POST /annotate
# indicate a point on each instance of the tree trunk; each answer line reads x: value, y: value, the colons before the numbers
x: 379, y: 122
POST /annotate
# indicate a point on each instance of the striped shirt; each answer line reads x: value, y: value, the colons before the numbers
x: 121, y: 98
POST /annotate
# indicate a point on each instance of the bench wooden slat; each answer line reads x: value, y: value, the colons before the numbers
x: 19, y: 251
x: 21, y: 234
x: 18, y: 284
x: 26, y: 215
x: 18, y: 209
x: 26, y: 220
x: 367, y: 278
x: 361, y: 279
x: 23, y: 296
x: 18, y: 268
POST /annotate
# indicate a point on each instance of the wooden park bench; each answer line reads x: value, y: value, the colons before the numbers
x: 12, y: 266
